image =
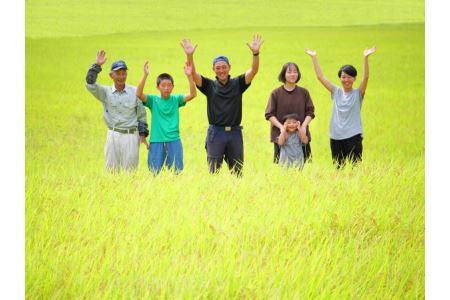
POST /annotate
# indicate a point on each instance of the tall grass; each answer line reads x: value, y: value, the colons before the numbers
x: 275, y: 233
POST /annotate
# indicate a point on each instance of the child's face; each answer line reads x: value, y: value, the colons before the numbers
x: 165, y: 87
x: 347, y: 80
x: 291, y: 75
x: 292, y: 125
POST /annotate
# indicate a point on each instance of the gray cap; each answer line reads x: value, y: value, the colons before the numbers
x: 117, y: 65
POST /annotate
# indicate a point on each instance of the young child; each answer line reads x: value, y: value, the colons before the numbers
x: 290, y: 141
x: 345, y: 126
x: 165, y: 143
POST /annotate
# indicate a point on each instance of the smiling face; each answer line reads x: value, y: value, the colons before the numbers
x: 222, y: 70
x: 291, y: 125
x: 291, y: 75
x: 165, y: 87
x: 119, y: 78
x: 347, y: 81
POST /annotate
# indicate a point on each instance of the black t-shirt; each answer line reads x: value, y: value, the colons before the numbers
x: 224, y: 102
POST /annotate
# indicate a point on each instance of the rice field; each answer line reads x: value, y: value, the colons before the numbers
x: 275, y: 233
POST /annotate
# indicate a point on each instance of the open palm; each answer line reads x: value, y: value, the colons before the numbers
x: 256, y: 43
x: 369, y: 51
x: 310, y: 52
x: 187, y: 46
x: 101, y: 58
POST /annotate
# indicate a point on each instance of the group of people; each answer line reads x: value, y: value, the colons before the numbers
x: 289, y: 110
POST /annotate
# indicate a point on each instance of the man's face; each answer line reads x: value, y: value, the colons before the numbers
x: 165, y: 87
x: 222, y: 70
x: 119, y: 77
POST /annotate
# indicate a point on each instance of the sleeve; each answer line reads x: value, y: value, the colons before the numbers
x: 309, y: 106
x: 206, y: 85
x: 242, y: 85
x: 180, y: 100
x: 271, y: 107
x: 95, y: 89
x: 334, y: 92
x: 142, y: 119
x: 149, y: 102
x: 361, y: 96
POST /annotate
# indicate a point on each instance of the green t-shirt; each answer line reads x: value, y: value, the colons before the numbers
x: 165, y: 125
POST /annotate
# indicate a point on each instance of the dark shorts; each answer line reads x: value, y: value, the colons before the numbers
x: 347, y: 149
x: 306, y: 152
x: 225, y: 143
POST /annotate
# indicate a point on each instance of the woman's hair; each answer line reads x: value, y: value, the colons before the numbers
x: 282, y: 76
x: 347, y: 69
x: 162, y: 77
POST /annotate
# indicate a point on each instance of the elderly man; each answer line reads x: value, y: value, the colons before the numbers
x: 224, y: 107
x: 123, y: 113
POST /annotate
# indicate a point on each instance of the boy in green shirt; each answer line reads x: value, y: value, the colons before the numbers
x: 165, y: 143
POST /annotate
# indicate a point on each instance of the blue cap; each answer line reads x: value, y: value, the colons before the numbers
x: 220, y: 58
x: 117, y: 65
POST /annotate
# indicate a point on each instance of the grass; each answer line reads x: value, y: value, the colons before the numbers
x: 275, y: 233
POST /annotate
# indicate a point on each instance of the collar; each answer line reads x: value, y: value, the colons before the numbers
x: 217, y: 78
x: 113, y: 89
x: 289, y: 91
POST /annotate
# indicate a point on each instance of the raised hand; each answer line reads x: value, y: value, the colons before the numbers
x: 188, y: 68
x: 188, y: 47
x: 146, y: 68
x: 369, y: 51
x: 255, y: 44
x: 311, y: 52
x: 100, y: 59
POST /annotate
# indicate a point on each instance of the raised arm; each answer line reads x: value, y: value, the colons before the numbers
x: 91, y: 78
x: 365, y: 80
x: 189, y: 49
x: 140, y: 88
x: 327, y: 84
x: 254, y: 47
x: 192, y: 89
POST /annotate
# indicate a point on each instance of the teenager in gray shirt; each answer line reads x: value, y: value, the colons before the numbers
x: 345, y: 126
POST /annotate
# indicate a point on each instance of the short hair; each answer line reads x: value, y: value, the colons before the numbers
x: 291, y: 116
x: 163, y: 76
x: 347, y: 69
x: 282, y: 75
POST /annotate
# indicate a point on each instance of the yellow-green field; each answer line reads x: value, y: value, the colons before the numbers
x: 275, y: 233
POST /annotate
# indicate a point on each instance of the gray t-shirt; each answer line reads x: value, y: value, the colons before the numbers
x: 346, y: 113
x: 291, y: 152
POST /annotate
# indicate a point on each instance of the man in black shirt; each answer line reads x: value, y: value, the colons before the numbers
x: 224, y: 107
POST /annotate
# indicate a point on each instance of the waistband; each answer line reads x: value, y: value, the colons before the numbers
x: 127, y: 130
x: 226, y: 128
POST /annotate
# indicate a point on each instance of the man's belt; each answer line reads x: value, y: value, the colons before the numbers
x: 129, y: 130
x: 226, y: 128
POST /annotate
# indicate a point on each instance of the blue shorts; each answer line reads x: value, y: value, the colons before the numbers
x: 168, y: 153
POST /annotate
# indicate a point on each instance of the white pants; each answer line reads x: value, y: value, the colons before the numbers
x: 121, y: 150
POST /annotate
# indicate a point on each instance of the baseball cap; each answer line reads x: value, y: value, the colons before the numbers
x: 117, y: 65
x: 220, y: 58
